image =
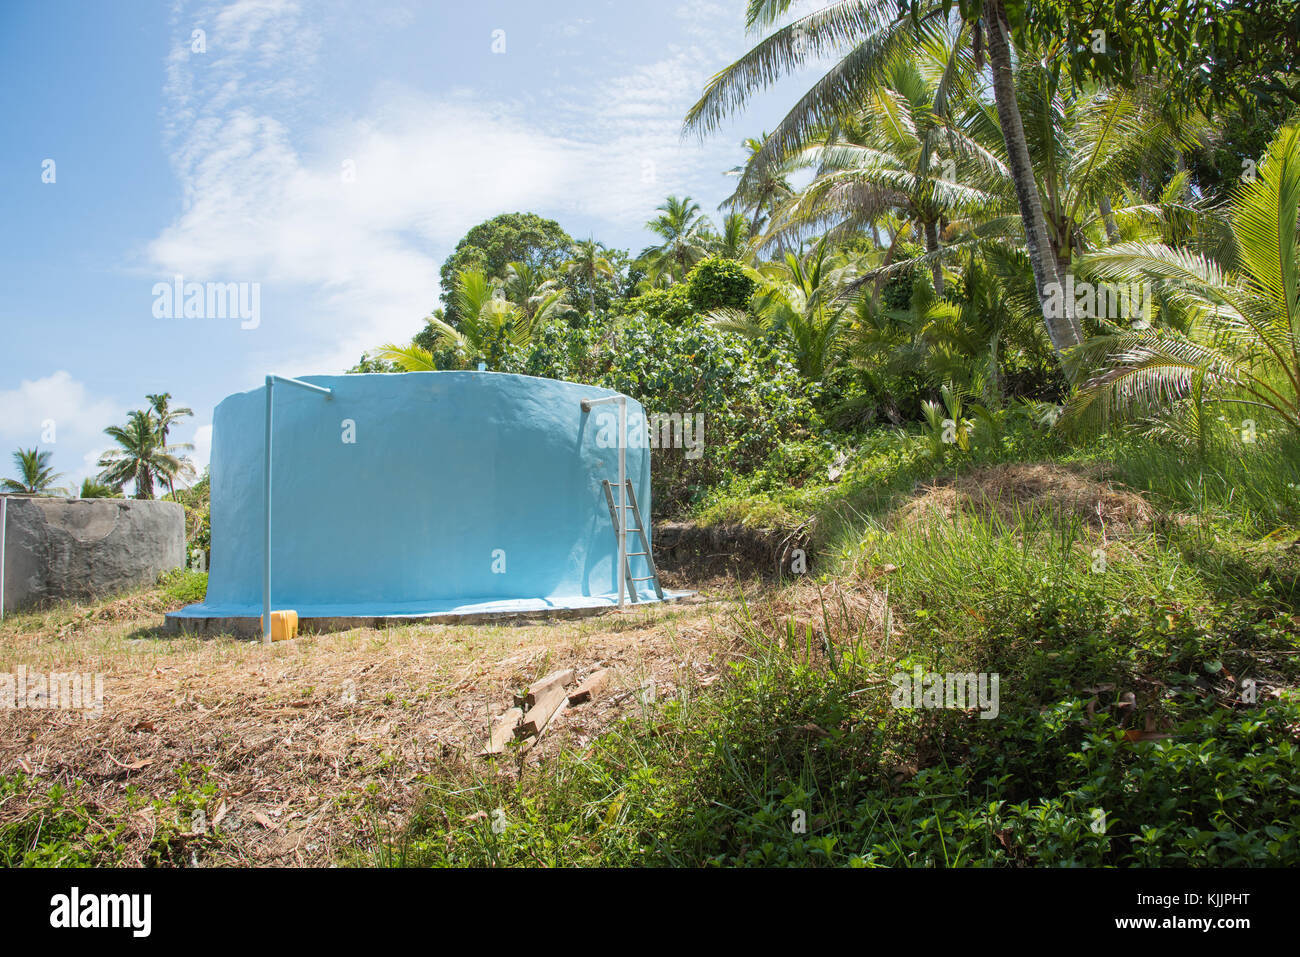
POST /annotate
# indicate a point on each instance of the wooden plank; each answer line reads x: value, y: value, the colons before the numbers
x: 503, y: 729
x: 539, y: 715
x: 561, y: 679
x: 592, y: 684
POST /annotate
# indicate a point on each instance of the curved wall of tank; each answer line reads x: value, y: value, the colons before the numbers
x: 420, y: 492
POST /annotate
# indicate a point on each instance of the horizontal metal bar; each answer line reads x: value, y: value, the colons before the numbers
x: 298, y: 382
x: 588, y: 403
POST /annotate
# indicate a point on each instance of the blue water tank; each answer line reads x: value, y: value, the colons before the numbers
x: 421, y: 492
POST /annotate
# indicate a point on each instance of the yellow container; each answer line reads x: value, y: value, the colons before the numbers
x: 284, y: 625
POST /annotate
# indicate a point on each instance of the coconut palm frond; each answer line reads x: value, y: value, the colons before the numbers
x: 409, y: 358
x: 788, y: 48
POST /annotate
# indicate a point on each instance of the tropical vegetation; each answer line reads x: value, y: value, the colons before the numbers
x: 969, y: 252
x: 35, y: 474
x: 143, y: 456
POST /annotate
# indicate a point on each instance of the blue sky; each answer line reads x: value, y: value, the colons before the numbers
x: 331, y: 153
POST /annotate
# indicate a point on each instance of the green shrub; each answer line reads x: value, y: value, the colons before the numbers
x: 185, y: 585
x: 717, y: 283
x: 750, y: 396
x: 669, y: 305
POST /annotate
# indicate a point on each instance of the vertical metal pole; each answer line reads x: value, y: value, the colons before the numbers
x: 622, y: 500
x: 266, y: 497
x: 4, y: 520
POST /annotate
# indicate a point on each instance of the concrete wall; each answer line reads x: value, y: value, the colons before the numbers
x: 403, y: 491
x: 59, y: 548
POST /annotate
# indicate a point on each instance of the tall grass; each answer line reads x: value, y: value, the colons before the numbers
x: 1120, y: 692
x: 1251, y: 487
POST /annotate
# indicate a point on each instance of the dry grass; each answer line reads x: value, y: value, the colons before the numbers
x: 312, y: 744
x: 840, y: 607
x: 1005, y: 490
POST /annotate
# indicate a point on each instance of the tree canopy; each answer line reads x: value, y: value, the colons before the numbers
x: 492, y: 245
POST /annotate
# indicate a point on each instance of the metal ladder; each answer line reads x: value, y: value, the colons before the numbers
x: 621, y: 529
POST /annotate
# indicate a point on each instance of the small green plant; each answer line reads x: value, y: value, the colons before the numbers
x: 61, y: 827
x: 946, y: 426
x: 185, y: 585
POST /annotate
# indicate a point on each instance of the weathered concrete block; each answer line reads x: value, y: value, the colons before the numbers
x: 59, y: 548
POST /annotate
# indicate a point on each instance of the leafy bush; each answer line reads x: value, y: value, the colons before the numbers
x: 185, y: 585
x: 196, y: 502
x: 717, y: 283
x: 750, y: 396
x: 669, y: 305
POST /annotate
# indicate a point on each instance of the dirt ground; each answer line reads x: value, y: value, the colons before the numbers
x: 312, y: 744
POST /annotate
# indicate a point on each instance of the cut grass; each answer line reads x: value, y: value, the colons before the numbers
x: 308, y: 744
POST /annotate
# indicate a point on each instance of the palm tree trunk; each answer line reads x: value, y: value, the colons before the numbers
x: 889, y: 258
x: 1108, y: 217
x: 995, y: 372
x: 1063, y: 330
x: 932, y: 246
x: 143, y: 483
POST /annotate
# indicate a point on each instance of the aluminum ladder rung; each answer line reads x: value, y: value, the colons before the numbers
x: 622, y: 527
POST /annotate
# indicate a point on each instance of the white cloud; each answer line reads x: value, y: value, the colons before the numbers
x: 53, y: 410
x: 59, y: 414
x: 259, y: 206
x: 202, y: 453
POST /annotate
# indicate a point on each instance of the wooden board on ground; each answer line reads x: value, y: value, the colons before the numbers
x: 539, y: 715
x: 503, y: 729
x: 590, y: 686
x: 561, y: 679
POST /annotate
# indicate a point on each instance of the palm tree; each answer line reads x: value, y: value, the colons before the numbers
x: 92, y: 489
x: 897, y: 152
x: 532, y: 292
x: 166, y: 417
x: 142, y: 456
x: 733, y: 242
x: 1233, y: 335
x: 588, y: 266
x: 964, y: 336
x: 491, y: 317
x: 1064, y: 330
x: 36, y: 477
x: 1084, y: 144
x: 798, y: 303
x: 411, y: 357
x: 874, y: 33
x: 758, y: 195
x: 683, y: 229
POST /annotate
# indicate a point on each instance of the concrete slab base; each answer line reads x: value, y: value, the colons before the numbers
x: 241, y: 622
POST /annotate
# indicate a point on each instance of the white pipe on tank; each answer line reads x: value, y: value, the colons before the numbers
x: 622, y: 498
x: 271, y: 380
x: 4, y: 520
